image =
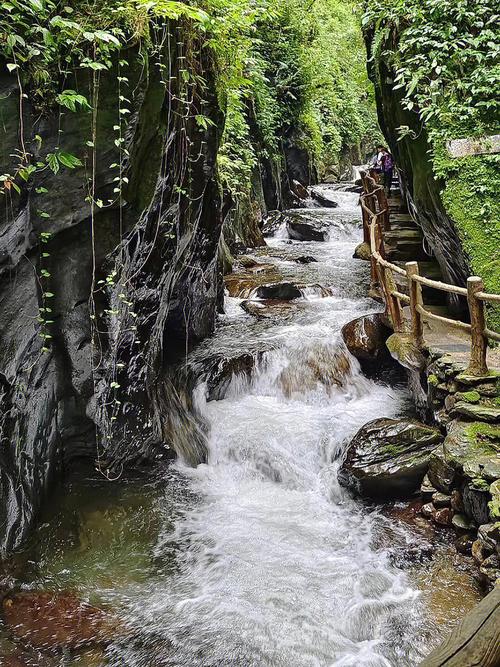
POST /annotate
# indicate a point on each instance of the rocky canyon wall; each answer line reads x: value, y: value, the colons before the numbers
x: 98, y: 298
x: 421, y: 188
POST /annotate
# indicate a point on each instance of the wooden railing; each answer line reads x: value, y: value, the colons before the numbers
x: 376, y: 220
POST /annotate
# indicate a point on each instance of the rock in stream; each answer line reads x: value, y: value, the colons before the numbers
x: 388, y: 458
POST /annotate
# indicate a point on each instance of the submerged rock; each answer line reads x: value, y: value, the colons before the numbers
x: 270, y: 309
x: 388, y: 458
x: 57, y: 620
x: 321, y: 197
x: 305, y: 259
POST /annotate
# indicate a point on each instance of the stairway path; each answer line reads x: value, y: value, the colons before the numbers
x: 403, y: 243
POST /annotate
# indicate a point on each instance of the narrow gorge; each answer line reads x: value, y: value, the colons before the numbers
x: 219, y: 445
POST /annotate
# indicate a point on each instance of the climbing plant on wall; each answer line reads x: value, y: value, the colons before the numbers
x: 444, y: 55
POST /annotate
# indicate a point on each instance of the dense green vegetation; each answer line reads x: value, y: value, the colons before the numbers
x: 298, y: 74
x: 445, y: 57
x: 289, y: 71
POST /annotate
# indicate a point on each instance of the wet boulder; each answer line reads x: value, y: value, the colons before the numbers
x: 388, y: 458
x: 306, y: 229
x: 365, y: 337
x: 305, y: 259
x: 323, y: 197
x: 225, y: 370
x: 299, y: 190
x: 49, y: 620
x: 283, y: 291
x: 405, y: 351
x: 363, y: 251
x: 270, y: 309
x: 273, y: 222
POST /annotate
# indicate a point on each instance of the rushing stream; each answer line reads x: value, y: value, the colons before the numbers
x: 259, y: 558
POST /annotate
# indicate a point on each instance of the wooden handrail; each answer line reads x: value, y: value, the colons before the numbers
x: 376, y: 220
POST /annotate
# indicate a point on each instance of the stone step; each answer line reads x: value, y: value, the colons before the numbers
x: 402, y: 221
x: 405, y: 252
x: 403, y: 236
x: 402, y: 217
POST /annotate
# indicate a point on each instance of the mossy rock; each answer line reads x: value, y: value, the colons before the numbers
x: 492, y: 378
x: 486, y: 413
x: 363, y: 251
x: 404, y: 350
x: 388, y: 458
x: 441, y: 475
x: 494, y: 504
x: 433, y: 380
x: 448, y: 367
x: 473, y: 449
x: 468, y: 396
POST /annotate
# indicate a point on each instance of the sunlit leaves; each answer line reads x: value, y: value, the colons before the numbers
x: 71, y: 100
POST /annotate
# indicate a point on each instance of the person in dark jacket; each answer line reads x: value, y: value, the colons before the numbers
x: 386, y: 164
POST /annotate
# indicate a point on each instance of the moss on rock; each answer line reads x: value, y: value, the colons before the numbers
x: 403, y: 348
x: 469, y: 396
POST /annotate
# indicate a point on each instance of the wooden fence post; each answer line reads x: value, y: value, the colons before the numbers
x: 395, y: 309
x: 479, y: 344
x: 415, y: 291
x: 383, y: 205
x: 366, y: 226
x: 374, y: 274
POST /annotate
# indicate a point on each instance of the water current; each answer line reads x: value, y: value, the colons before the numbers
x: 259, y: 558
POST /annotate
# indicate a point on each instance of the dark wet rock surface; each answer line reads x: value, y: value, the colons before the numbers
x: 283, y: 291
x: 324, y: 197
x: 52, y: 404
x: 301, y: 229
x: 270, y: 309
x: 365, y: 337
x: 388, y: 458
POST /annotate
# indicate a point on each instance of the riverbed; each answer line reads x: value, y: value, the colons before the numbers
x: 258, y: 558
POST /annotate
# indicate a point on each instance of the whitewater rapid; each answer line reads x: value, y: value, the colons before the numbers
x: 275, y: 565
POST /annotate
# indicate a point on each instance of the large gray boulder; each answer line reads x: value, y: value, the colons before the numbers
x: 388, y: 458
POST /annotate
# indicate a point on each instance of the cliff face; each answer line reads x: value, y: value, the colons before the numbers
x: 128, y: 288
x: 421, y: 188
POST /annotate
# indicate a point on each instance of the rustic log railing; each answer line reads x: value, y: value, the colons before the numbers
x: 376, y: 220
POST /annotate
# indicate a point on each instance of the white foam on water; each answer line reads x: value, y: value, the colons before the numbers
x: 275, y: 563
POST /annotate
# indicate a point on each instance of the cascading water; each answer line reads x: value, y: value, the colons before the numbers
x: 275, y: 563
x: 256, y: 558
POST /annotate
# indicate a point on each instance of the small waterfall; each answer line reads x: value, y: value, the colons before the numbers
x: 275, y: 564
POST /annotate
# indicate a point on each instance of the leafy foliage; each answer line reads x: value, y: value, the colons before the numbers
x: 445, y: 58
x: 289, y: 71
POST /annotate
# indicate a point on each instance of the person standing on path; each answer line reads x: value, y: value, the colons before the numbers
x: 386, y: 163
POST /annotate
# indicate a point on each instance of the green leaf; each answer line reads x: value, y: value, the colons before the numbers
x: 53, y: 162
x: 68, y: 160
x: 71, y: 99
